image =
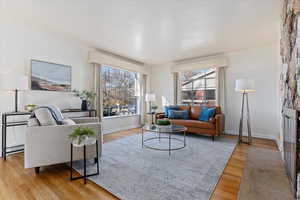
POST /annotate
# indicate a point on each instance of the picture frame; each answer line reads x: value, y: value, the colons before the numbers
x: 48, y: 76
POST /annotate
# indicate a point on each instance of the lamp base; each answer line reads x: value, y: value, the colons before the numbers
x: 16, y: 100
x: 249, y: 137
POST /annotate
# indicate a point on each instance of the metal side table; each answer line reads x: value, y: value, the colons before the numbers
x: 5, y: 124
x: 84, y: 163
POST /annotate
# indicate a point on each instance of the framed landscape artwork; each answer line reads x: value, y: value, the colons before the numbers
x: 50, y: 76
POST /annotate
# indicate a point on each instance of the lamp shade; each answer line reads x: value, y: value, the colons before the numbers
x: 13, y: 82
x: 244, y: 85
x: 150, y: 97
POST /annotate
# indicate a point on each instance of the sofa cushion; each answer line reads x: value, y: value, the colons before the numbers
x: 195, y: 112
x: 178, y: 114
x: 56, y: 113
x: 44, y: 117
x: 207, y: 113
x: 33, y: 122
x: 183, y: 107
x: 193, y: 123
x: 54, y: 110
x: 167, y: 108
x: 68, y: 122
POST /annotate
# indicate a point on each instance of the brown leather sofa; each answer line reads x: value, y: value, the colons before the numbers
x: 213, y: 128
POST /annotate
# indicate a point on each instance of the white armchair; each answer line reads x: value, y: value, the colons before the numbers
x: 48, y: 145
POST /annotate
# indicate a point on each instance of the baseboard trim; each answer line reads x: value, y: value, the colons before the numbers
x: 254, y: 134
x: 108, y: 131
x: 229, y: 132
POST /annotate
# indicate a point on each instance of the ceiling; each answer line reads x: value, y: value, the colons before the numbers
x: 156, y: 31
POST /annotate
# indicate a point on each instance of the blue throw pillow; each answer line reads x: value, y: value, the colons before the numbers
x: 206, y: 113
x: 167, y: 108
x: 178, y: 114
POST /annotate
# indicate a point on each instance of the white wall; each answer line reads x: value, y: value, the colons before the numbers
x: 161, y: 81
x: 114, y: 124
x: 260, y: 64
x: 21, y: 43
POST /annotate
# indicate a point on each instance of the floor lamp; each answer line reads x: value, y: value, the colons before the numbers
x: 15, y: 83
x: 245, y: 86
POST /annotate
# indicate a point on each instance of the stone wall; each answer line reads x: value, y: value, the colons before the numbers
x: 290, y: 56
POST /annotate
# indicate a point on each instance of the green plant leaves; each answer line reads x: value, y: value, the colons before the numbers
x: 84, y: 94
x: 81, y: 133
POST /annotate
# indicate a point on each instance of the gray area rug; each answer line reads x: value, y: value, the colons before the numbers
x: 133, y: 173
x: 264, y: 177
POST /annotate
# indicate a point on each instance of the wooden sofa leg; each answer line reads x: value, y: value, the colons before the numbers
x: 37, y: 170
x: 213, y: 138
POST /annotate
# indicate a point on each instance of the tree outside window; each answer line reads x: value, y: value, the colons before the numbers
x: 118, y: 88
x: 199, y: 87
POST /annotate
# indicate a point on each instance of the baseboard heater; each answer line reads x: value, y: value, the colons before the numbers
x: 291, y: 147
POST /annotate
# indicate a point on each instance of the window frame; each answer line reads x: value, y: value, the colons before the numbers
x: 103, y: 86
x: 204, y: 88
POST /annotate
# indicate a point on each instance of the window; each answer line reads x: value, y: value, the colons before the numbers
x: 119, y: 88
x: 199, y: 87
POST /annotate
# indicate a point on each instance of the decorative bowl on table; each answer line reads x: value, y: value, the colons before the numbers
x: 163, y: 124
x: 30, y: 107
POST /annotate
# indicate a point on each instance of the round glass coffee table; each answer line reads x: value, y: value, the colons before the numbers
x: 164, y: 133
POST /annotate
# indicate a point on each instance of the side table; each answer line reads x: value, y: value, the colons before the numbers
x: 152, y: 117
x: 84, y: 160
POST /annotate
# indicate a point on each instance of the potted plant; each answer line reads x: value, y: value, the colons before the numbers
x: 83, y: 135
x: 86, y: 97
x: 154, y: 108
x: 163, y: 123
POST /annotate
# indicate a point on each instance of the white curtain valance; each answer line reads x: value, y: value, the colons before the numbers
x: 196, y: 64
x: 101, y: 58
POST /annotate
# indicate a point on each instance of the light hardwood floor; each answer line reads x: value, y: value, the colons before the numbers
x: 53, y: 182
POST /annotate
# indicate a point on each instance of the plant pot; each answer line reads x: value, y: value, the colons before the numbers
x: 84, y: 105
x: 85, y: 141
x: 90, y: 140
x: 89, y: 105
x: 79, y: 143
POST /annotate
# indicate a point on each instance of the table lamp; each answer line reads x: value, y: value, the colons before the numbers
x: 245, y: 86
x: 16, y: 83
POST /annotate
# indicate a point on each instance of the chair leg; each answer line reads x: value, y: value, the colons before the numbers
x: 213, y: 138
x: 95, y: 160
x: 37, y: 170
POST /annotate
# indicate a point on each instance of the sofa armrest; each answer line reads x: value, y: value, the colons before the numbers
x: 220, y: 123
x: 84, y: 120
x: 160, y: 115
x: 47, y: 145
x: 213, y: 120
